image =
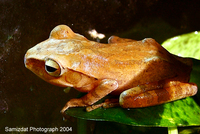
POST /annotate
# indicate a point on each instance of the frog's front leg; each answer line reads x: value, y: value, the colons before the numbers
x: 143, y: 96
x: 105, y: 87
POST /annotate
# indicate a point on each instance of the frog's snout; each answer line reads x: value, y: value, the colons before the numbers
x: 29, y: 58
x: 25, y: 61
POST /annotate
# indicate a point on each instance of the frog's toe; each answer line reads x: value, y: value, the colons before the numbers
x: 93, y: 107
x: 64, y: 109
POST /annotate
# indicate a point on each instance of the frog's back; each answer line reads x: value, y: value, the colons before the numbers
x: 136, y: 62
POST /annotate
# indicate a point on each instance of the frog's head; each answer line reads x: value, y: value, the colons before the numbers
x: 48, y: 59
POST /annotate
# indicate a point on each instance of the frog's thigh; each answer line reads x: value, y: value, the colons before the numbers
x: 170, y: 91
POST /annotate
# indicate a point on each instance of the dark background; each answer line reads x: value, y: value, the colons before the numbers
x: 25, y: 99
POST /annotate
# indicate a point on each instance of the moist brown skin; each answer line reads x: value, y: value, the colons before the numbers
x: 141, y: 73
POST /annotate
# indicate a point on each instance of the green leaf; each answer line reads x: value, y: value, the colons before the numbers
x: 195, y: 76
x: 186, y: 45
x: 184, y: 112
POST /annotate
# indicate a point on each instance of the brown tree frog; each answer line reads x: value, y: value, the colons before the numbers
x: 140, y: 73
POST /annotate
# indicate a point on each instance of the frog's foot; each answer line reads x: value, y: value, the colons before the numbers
x: 107, y: 104
x: 72, y: 103
x: 142, y: 96
x: 93, y: 107
x: 65, y: 116
x: 64, y: 109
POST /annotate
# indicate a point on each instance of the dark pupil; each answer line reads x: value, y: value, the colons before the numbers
x: 50, y: 69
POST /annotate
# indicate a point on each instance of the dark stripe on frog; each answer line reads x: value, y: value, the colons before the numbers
x: 163, y: 95
x: 94, y: 94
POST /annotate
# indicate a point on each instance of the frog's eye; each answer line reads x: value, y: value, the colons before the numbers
x: 52, y: 68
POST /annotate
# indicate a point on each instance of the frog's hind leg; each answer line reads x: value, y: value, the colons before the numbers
x: 143, y: 96
x: 131, y: 92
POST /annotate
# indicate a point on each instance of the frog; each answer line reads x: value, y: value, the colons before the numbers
x: 135, y: 73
